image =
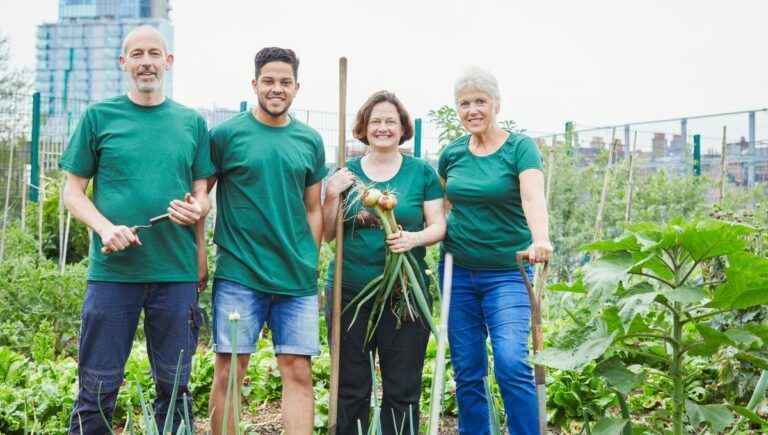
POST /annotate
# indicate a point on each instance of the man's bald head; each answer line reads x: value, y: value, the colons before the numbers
x: 144, y: 32
x: 145, y: 59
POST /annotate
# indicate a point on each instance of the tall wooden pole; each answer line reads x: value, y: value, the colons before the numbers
x: 438, y: 374
x: 40, y: 203
x: 723, y: 166
x: 550, y: 171
x: 6, y: 206
x: 604, y: 192
x: 630, y: 183
x: 336, y: 314
x: 24, y: 181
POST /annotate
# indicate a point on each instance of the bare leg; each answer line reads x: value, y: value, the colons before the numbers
x: 219, y: 390
x: 298, y: 403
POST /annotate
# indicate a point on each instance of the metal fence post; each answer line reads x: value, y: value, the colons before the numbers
x: 34, y: 150
x: 417, y: 138
x: 752, y: 150
x: 697, y: 155
x: 627, y: 149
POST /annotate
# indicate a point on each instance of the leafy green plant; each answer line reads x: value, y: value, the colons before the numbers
x: 656, y: 300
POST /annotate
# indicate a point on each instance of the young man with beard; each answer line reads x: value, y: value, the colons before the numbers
x: 145, y: 154
x: 268, y: 229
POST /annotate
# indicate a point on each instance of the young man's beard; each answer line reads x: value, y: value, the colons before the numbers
x: 271, y: 113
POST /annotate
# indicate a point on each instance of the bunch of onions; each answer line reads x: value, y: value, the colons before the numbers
x: 401, y: 272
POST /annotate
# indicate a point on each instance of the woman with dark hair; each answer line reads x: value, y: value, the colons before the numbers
x: 383, y: 124
x: 495, y: 187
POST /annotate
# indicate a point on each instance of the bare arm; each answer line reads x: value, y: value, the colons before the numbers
x: 434, y: 218
x: 200, y: 189
x: 535, y: 209
x: 113, y: 237
x: 314, y: 212
x: 446, y: 204
x: 337, y: 183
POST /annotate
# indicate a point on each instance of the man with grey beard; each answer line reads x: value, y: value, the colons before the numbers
x: 147, y: 156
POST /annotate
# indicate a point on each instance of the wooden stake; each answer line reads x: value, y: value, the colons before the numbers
x: 24, y: 181
x: 336, y: 313
x: 604, y: 193
x: 62, y: 220
x: 40, y: 202
x: 438, y: 384
x: 66, y: 243
x: 630, y: 183
x: 550, y: 166
x: 723, y: 167
x: 7, y: 199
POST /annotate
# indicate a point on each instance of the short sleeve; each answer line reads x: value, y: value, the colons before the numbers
x: 319, y: 171
x: 442, y: 164
x: 202, y: 167
x: 81, y: 157
x: 527, y: 155
x: 215, y: 140
x: 432, y: 187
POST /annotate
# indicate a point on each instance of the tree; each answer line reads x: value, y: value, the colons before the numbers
x: 447, y: 121
x: 15, y: 87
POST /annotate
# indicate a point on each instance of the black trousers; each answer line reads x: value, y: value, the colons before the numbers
x: 401, y: 360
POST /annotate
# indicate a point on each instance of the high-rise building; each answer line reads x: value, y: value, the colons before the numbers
x: 659, y: 145
x: 77, y: 55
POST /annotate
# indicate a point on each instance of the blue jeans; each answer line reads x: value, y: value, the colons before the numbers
x: 293, y: 320
x: 108, y: 325
x: 491, y: 303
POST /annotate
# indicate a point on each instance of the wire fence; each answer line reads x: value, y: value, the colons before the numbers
x: 675, y: 145
x: 34, y: 131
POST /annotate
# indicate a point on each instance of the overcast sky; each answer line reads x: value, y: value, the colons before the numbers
x: 591, y: 61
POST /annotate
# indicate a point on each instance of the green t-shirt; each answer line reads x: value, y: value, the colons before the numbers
x: 414, y: 183
x: 486, y: 226
x: 264, y: 239
x: 141, y: 158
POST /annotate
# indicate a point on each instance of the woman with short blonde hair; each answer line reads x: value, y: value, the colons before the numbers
x: 495, y: 186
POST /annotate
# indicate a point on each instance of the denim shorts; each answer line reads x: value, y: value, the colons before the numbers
x: 293, y: 320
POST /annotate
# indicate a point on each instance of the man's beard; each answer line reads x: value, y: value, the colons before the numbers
x: 147, y: 87
x: 271, y: 113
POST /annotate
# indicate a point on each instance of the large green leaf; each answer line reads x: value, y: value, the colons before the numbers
x: 713, y: 340
x: 652, y: 264
x: 576, y: 287
x: 575, y: 358
x: 744, y: 337
x: 605, y: 273
x: 759, y: 330
x: 717, y: 416
x: 609, y: 426
x: 638, y: 325
x: 618, y: 376
x: 713, y: 238
x: 612, y: 320
x: 686, y: 295
x: 758, y: 361
x: 623, y: 243
x: 746, y: 285
x: 636, y: 306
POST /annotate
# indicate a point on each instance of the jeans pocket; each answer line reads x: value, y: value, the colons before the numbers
x: 196, y: 320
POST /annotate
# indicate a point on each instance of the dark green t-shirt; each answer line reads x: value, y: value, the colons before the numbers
x: 264, y: 239
x: 141, y: 158
x: 364, y: 251
x: 486, y: 226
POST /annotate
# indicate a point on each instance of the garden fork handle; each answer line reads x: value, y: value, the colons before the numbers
x: 538, y: 336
